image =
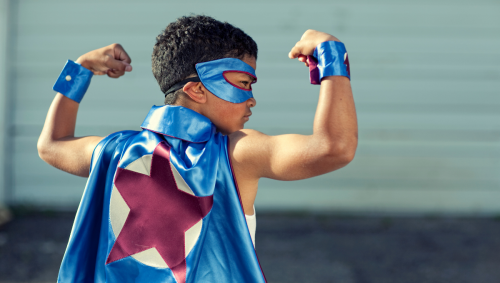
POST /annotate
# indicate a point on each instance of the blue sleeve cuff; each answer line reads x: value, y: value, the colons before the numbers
x: 330, y: 59
x: 73, y: 81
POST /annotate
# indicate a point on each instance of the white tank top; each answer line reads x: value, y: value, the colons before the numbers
x: 252, y: 225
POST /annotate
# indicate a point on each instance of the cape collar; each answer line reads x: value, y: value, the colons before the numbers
x: 179, y: 122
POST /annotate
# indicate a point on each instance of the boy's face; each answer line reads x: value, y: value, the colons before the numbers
x: 229, y: 117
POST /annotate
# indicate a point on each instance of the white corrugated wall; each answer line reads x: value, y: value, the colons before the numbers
x: 4, y: 104
x: 426, y: 79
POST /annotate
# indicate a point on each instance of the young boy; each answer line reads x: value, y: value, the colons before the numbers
x: 171, y: 203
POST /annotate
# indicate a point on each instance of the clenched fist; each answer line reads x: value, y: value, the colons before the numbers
x: 307, y: 43
x: 111, y: 60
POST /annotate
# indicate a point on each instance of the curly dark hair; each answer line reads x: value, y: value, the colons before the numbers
x: 191, y: 40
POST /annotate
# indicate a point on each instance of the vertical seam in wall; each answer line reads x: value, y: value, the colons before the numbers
x: 11, y: 91
x: 4, y: 25
x: 7, y: 52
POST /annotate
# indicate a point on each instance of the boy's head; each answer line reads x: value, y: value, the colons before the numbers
x: 192, y: 40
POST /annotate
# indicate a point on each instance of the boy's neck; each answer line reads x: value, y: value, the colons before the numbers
x: 188, y: 103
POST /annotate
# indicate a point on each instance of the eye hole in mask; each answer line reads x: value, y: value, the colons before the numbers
x: 247, y: 77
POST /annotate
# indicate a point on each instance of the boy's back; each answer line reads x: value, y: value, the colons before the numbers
x: 197, y: 141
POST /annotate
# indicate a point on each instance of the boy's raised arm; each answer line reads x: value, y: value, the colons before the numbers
x: 292, y: 157
x: 57, y: 144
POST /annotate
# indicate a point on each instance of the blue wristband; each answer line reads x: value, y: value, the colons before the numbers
x: 73, y: 81
x: 329, y: 59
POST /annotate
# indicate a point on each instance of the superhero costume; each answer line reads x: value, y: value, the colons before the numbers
x: 162, y: 205
x: 134, y: 177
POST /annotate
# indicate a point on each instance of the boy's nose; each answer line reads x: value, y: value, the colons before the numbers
x: 251, y: 102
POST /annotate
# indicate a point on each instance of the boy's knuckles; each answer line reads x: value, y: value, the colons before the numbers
x: 106, y: 60
x: 116, y: 46
x: 307, y: 33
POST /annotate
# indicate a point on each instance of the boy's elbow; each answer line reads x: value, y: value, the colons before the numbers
x: 347, y: 155
x: 341, y: 154
x: 43, y: 146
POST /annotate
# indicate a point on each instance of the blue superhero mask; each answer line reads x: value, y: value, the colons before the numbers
x: 212, y: 75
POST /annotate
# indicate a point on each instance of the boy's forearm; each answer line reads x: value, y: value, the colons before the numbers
x: 57, y: 144
x: 61, y: 118
x: 335, y: 122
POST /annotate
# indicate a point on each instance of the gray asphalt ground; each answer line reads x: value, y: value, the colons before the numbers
x: 304, y: 248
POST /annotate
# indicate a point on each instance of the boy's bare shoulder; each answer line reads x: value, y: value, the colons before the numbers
x: 245, y: 137
x: 245, y: 133
x: 247, y: 143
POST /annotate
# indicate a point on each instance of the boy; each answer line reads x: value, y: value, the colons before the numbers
x: 168, y: 204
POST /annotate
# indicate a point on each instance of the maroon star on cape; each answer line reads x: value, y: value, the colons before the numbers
x: 159, y: 214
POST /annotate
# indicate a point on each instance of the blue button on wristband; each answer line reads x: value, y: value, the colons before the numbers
x: 329, y: 59
x: 73, y: 81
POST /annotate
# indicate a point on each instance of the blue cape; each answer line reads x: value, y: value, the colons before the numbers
x: 223, y: 250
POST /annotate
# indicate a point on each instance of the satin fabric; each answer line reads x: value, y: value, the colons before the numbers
x: 78, y: 83
x: 211, y: 74
x: 223, y: 252
x: 329, y: 59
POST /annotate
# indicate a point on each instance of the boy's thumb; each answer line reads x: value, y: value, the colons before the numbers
x: 128, y: 67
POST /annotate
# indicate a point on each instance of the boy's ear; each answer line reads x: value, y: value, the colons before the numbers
x: 196, y: 91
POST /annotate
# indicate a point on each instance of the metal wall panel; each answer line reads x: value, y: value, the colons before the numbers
x: 4, y: 104
x: 425, y: 76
